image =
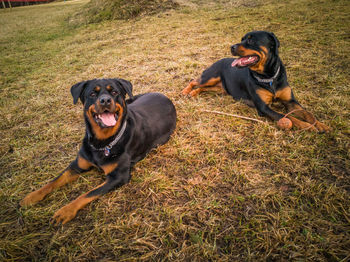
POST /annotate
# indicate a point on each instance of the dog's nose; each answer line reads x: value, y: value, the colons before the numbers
x: 234, y: 48
x: 105, y: 100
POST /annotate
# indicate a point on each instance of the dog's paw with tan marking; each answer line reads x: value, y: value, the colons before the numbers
x: 308, y: 127
x: 322, y: 128
x: 64, y: 215
x: 302, y: 124
x: 32, y: 199
x: 195, y: 92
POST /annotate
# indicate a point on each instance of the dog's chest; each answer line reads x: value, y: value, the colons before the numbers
x: 268, y: 97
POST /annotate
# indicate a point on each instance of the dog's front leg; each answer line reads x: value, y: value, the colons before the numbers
x: 289, y: 101
x: 298, y: 110
x: 117, y: 175
x: 261, y: 99
x: 265, y: 110
x: 71, y: 173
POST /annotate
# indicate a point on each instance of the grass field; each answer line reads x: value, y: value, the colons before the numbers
x: 223, y: 188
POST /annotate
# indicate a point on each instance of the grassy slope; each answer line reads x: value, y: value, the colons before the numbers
x: 222, y: 188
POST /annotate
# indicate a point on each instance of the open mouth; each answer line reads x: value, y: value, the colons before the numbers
x: 106, y: 119
x: 245, y: 61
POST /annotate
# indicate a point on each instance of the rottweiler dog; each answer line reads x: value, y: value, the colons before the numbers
x: 257, y: 77
x: 119, y: 133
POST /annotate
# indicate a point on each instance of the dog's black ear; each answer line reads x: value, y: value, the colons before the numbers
x: 77, y: 90
x: 276, y: 41
x: 126, y: 86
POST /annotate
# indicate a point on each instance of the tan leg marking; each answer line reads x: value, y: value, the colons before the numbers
x: 83, y: 163
x: 68, y: 176
x: 284, y: 94
x: 308, y: 117
x: 218, y: 88
x: 213, y: 84
x: 38, y: 195
x: 69, y: 211
x: 265, y: 95
x: 109, y: 168
x: 190, y: 86
x: 301, y: 124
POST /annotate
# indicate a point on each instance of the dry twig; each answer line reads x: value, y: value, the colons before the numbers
x: 233, y: 115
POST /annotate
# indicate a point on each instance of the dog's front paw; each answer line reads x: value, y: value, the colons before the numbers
x: 64, y: 215
x: 302, y: 125
x: 32, y: 198
x: 322, y: 128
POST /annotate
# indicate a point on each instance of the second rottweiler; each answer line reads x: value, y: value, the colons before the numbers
x: 257, y: 77
x: 119, y: 133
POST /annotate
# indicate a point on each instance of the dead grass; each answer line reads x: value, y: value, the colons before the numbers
x: 223, y: 188
x: 102, y: 10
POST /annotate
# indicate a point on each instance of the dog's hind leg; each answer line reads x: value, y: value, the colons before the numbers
x: 213, y: 84
x: 217, y: 88
x: 190, y: 86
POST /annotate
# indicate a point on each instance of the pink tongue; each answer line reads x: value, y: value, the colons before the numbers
x: 108, y: 119
x: 235, y: 62
x: 244, y: 61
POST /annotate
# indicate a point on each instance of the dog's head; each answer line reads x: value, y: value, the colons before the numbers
x: 255, y: 50
x: 104, y: 104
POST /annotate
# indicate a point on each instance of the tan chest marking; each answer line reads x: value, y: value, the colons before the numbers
x: 83, y: 163
x: 109, y: 168
x: 284, y: 94
x: 265, y: 95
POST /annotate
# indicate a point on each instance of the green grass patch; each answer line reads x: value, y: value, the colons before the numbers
x: 102, y: 10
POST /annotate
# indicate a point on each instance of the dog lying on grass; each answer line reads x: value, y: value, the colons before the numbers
x: 257, y: 77
x: 119, y: 133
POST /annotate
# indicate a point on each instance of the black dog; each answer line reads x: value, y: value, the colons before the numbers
x: 258, y: 77
x: 119, y: 133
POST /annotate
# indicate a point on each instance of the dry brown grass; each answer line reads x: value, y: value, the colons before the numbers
x: 102, y: 10
x: 223, y: 188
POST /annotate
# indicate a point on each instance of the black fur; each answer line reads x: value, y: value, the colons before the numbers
x: 119, y: 133
x: 257, y: 81
x: 150, y: 120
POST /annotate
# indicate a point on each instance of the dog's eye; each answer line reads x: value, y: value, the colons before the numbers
x: 92, y: 94
x: 114, y: 93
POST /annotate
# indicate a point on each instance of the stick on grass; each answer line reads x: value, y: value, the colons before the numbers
x: 238, y: 116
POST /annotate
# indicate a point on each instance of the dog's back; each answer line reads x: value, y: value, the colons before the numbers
x: 234, y: 80
x: 154, y: 117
